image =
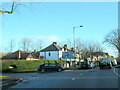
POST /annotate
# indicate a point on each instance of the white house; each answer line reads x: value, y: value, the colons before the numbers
x: 56, y: 52
x: 52, y: 52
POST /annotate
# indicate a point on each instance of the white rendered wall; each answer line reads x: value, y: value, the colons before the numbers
x: 42, y: 53
x: 60, y: 54
x: 54, y: 55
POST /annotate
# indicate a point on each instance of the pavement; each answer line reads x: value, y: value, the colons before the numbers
x: 6, y: 82
x: 90, y: 78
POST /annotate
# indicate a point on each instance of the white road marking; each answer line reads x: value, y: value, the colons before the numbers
x: 115, y: 72
x: 73, y: 78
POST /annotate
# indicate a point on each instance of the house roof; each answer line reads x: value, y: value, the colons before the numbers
x: 15, y: 55
x: 52, y: 47
x: 97, y: 53
x: 35, y: 54
x: 10, y: 56
x: 24, y: 55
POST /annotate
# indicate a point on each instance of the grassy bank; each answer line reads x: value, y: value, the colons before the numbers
x: 3, y: 76
x: 24, y: 65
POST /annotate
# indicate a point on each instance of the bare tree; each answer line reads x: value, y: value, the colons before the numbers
x: 94, y: 47
x: 13, y: 7
x: 11, y: 45
x: 79, y: 47
x: 69, y: 43
x: 90, y: 48
x: 26, y: 42
x: 32, y: 45
x: 40, y: 44
x: 113, y: 38
x: 37, y: 45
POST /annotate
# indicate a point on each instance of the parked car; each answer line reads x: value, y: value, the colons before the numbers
x: 118, y: 62
x: 105, y: 62
x: 114, y: 63
x: 86, y: 64
x: 50, y: 67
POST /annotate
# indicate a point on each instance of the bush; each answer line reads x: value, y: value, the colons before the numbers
x: 25, y: 65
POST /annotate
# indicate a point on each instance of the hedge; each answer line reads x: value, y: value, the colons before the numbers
x: 26, y: 65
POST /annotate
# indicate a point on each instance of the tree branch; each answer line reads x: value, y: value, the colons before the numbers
x: 9, y: 12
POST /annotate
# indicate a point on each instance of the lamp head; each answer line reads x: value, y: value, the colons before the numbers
x: 81, y: 26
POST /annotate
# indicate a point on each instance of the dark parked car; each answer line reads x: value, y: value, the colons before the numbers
x: 105, y: 63
x: 86, y: 64
x: 50, y: 67
x: 118, y: 62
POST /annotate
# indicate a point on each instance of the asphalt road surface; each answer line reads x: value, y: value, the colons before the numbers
x: 90, y: 78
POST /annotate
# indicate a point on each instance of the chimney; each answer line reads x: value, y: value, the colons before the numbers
x: 19, y: 54
x: 54, y: 43
x: 35, y: 51
x: 65, y: 47
x: 72, y: 49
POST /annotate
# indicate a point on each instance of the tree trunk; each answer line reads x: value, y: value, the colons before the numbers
x: 118, y: 53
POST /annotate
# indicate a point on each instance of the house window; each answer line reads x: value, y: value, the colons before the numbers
x: 49, y: 54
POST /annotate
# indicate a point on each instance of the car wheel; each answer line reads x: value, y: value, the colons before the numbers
x: 59, y: 70
x: 38, y: 70
x: 42, y: 70
x: 101, y: 67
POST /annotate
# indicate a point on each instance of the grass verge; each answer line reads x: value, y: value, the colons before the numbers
x: 25, y: 65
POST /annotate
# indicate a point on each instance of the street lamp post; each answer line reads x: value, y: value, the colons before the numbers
x: 118, y: 41
x: 74, y: 40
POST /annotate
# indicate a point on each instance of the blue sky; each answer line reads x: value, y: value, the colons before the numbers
x: 54, y: 21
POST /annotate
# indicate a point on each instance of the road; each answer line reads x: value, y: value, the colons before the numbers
x: 90, y: 78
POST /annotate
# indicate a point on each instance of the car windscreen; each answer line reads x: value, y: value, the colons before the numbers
x: 105, y: 60
x: 83, y: 63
